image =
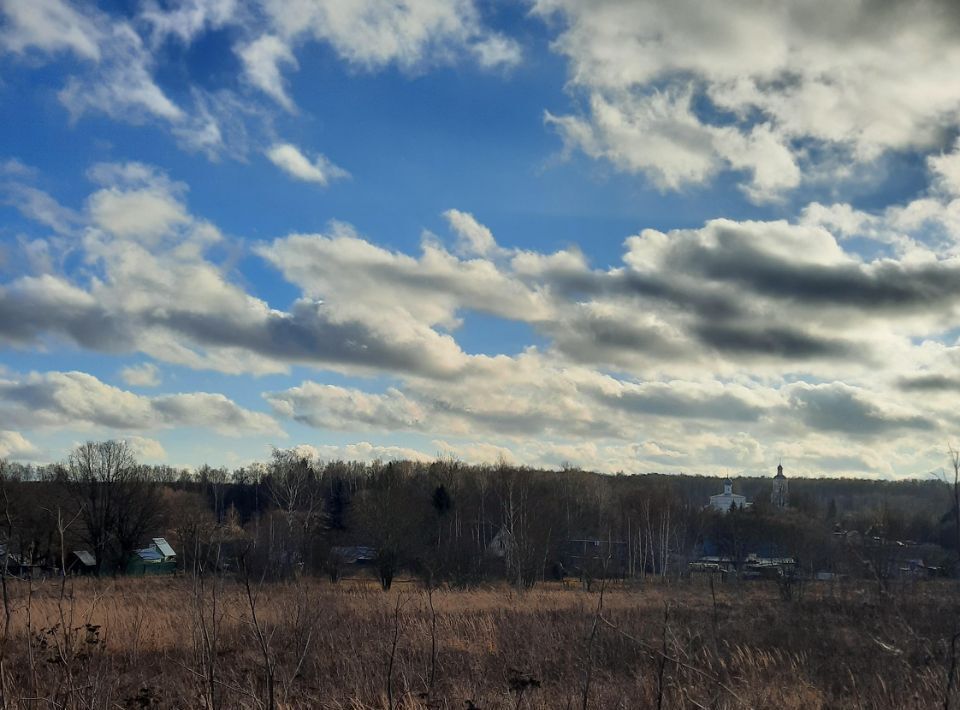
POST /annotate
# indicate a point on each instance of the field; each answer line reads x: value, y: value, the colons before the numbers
x: 179, y: 643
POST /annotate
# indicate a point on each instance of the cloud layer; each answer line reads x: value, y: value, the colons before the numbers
x: 826, y: 334
x: 732, y: 342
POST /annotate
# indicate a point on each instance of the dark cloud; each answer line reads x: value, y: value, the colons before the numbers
x: 307, y: 334
x: 664, y: 400
x: 533, y: 421
x: 775, y: 341
x: 881, y: 286
x: 929, y: 383
x: 706, y: 300
x: 839, y: 408
x: 589, y: 337
x: 27, y: 315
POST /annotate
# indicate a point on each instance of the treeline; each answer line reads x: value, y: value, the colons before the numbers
x: 444, y: 521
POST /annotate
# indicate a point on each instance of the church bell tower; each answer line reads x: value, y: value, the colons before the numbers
x: 779, y: 497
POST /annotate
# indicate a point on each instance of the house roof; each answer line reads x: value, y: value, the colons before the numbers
x: 164, y: 547
x: 149, y: 554
x: 355, y: 553
x: 86, y: 557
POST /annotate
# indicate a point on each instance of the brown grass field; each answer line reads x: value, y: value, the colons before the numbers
x: 175, y: 643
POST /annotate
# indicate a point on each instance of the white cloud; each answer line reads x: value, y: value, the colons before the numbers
x: 186, y: 19
x: 144, y: 214
x: 288, y: 158
x: 708, y: 330
x: 361, y: 451
x: 333, y: 407
x: 153, y: 289
x: 374, y: 33
x: 261, y: 62
x: 41, y: 207
x: 497, y: 51
x: 121, y: 56
x: 76, y: 399
x: 946, y: 169
x: 475, y: 453
x: 121, y: 84
x: 145, y: 375
x: 13, y: 445
x: 682, y: 90
x: 473, y: 237
x: 146, y: 449
x: 50, y: 26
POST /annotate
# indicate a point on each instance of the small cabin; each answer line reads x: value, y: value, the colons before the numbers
x: 353, y: 555
x: 157, y: 558
x: 81, y: 562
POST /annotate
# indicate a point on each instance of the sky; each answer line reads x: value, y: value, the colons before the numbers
x: 624, y: 235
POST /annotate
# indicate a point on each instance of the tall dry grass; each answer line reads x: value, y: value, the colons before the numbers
x: 171, y: 643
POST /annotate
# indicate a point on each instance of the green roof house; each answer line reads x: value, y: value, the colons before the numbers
x: 157, y: 558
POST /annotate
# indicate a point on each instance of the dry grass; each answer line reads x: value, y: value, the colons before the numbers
x: 140, y: 643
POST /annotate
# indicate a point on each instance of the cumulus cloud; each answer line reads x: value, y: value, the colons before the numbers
x: 288, y: 158
x: 146, y: 449
x: 497, y: 51
x: 840, y: 408
x: 145, y: 375
x: 77, y: 399
x: 375, y: 33
x: 683, y: 90
x: 13, y: 445
x: 333, y: 407
x: 186, y: 19
x: 157, y: 292
x: 121, y: 55
x: 475, y: 453
x: 360, y: 451
x: 473, y: 238
x: 700, y: 344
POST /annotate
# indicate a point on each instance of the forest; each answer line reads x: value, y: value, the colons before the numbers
x: 457, y: 524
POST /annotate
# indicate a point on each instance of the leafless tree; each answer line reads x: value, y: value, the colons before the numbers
x: 955, y: 462
x: 116, y: 503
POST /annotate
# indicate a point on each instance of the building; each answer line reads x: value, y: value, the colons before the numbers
x: 779, y: 496
x: 502, y: 546
x: 157, y: 558
x: 728, y: 499
x: 81, y: 562
x: 353, y: 555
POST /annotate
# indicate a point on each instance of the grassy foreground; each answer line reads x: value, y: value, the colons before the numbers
x: 177, y: 643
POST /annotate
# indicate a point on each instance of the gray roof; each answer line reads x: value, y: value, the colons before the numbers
x: 164, y: 547
x: 354, y: 553
x: 86, y: 557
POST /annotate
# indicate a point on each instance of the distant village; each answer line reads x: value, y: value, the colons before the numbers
x: 471, y: 524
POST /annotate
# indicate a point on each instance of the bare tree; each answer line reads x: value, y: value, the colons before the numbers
x: 297, y: 494
x: 955, y: 462
x: 117, y: 505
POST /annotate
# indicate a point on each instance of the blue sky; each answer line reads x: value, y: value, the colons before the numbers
x: 628, y: 236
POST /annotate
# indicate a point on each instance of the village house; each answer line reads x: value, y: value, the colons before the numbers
x: 156, y: 558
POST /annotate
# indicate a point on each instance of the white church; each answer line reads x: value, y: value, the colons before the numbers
x: 728, y: 499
